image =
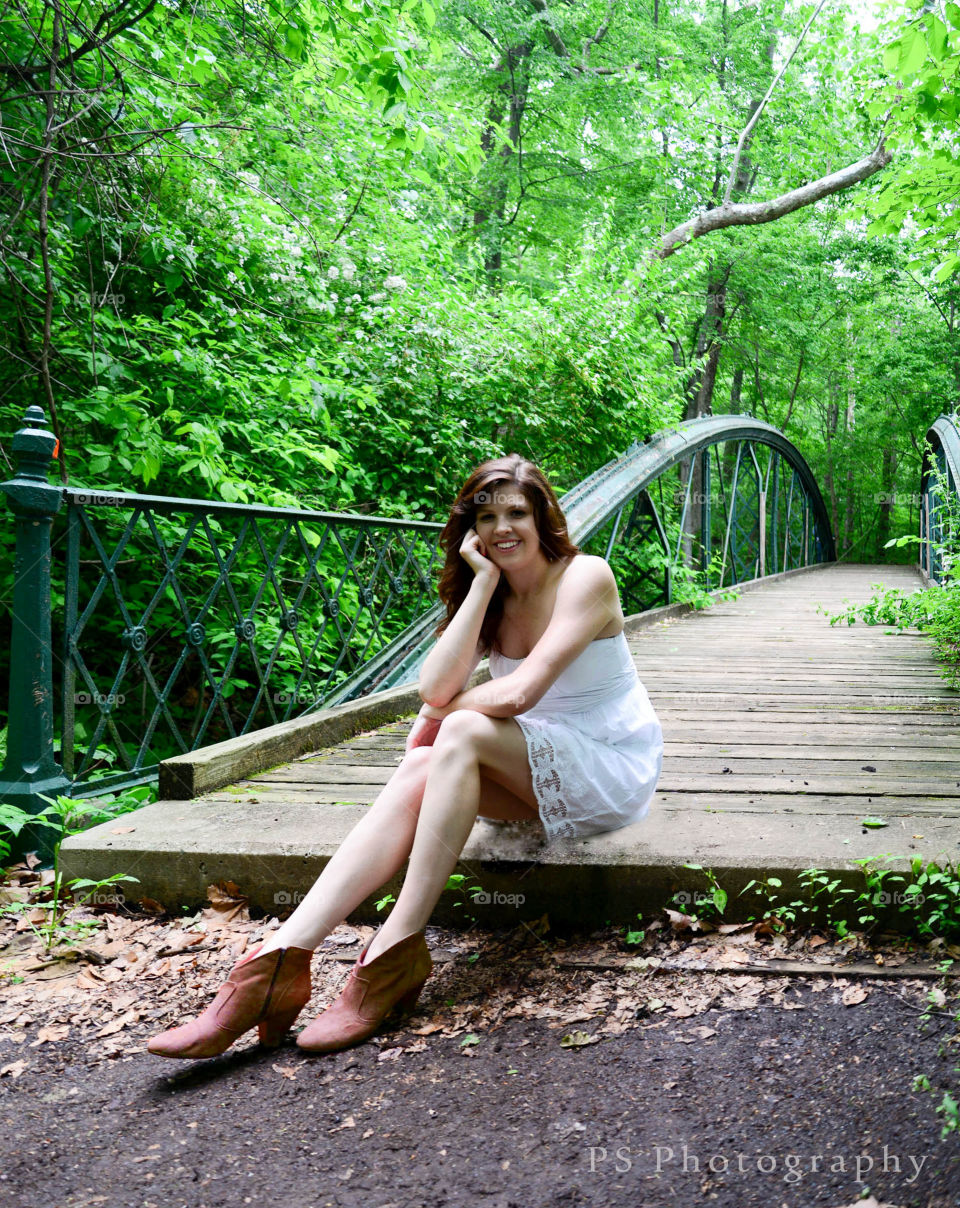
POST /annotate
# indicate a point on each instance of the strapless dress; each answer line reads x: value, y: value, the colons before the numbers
x: 594, y: 742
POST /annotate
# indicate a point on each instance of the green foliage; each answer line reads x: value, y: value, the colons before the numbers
x: 63, y: 817
x: 332, y: 255
x: 934, y: 609
x: 924, y: 901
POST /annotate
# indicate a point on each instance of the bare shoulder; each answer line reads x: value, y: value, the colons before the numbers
x: 589, y: 571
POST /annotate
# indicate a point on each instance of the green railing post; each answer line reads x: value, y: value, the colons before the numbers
x: 30, y: 771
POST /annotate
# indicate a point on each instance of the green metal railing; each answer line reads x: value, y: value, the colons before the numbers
x: 727, y: 494
x: 182, y: 622
x: 941, y: 452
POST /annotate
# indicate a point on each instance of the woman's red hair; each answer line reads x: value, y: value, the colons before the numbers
x: 512, y: 471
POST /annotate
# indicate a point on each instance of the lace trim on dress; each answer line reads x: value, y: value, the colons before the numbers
x: 547, y: 784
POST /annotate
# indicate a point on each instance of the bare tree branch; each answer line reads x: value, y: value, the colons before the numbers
x: 745, y: 133
x: 598, y: 36
x: 540, y: 6
x: 759, y: 212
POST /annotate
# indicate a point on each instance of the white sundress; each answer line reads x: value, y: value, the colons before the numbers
x: 594, y: 742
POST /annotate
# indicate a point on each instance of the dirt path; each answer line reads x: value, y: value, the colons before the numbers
x: 536, y: 1071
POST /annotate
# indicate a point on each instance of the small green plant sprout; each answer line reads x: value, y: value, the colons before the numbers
x: 950, y: 1110
x: 703, y: 905
x: 777, y: 917
x: 635, y: 937
x: 65, y: 816
x: 455, y: 883
x: 385, y: 901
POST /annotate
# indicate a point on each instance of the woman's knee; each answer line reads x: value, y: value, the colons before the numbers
x: 463, y: 727
x: 417, y: 759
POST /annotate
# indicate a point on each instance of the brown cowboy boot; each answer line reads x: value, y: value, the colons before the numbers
x: 393, y: 980
x: 268, y: 991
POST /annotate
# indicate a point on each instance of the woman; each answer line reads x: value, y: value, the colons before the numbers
x: 563, y: 732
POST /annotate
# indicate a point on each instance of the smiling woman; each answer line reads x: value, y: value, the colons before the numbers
x: 563, y: 733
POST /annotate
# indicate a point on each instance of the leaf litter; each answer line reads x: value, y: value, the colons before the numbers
x: 131, y: 969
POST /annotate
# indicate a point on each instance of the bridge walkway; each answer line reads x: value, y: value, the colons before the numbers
x: 782, y: 733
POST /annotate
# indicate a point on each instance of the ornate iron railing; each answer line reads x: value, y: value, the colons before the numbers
x: 186, y: 621
x: 728, y: 495
x: 941, y: 464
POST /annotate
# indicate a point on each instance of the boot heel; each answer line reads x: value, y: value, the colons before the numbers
x: 272, y: 1030
x: 406, y: 1004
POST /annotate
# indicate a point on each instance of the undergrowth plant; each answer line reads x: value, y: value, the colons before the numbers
x: 934, y: 609
x: 66, y: 816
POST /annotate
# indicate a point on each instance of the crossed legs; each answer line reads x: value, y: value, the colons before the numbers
x: 425, y: 813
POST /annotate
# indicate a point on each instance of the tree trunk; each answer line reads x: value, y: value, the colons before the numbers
x: 888, y: 470
x: 510, y: 97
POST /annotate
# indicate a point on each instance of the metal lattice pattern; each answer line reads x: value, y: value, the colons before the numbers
x: 220, y: 619
x: 728, y: 496
x: 941, y: 464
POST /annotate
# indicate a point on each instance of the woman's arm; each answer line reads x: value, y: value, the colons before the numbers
x: 587, y: 601
x: 453, y: 659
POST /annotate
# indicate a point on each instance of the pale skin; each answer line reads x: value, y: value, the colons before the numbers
x: 465, y: 755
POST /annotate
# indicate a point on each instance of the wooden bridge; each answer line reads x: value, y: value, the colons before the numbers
x: 782, y: 734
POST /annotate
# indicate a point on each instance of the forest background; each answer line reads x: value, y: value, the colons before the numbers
x: 331, y: 255
x: 335, y: 254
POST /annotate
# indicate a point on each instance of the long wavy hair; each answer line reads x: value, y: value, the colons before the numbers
x: 512, y: 471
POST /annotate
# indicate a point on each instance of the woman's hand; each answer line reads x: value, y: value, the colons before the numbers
x: 474, y: 553
x: 425, y: 728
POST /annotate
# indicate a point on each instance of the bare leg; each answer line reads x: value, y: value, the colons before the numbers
x: 372, y: 853
x: 466, y: 741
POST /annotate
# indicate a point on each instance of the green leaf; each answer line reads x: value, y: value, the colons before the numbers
x: 947, y: 269
x: 872, y: 821
x: 936, y: 37
x: 913, y: 52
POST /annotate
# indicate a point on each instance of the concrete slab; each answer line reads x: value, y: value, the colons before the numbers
x: 771, y: 763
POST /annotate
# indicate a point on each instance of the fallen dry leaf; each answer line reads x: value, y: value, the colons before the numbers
x: 577, y: 1040
x: 14, y: 1069
x: 852, y: 995
x: 52, y: 1032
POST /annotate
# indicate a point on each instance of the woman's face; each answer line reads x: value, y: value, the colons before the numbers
x: 506, y: 525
